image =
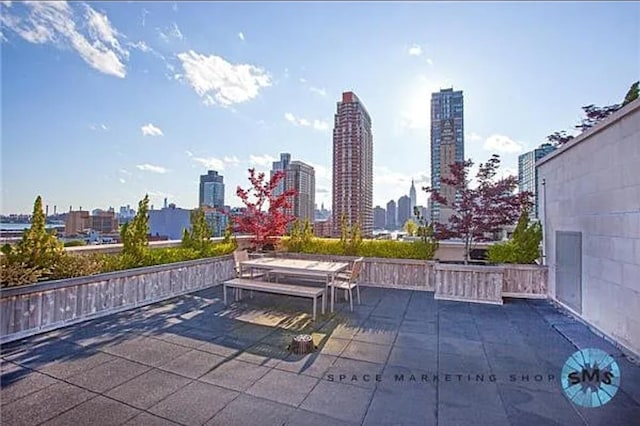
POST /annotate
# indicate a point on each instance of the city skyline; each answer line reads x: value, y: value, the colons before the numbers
x: 146, y: 105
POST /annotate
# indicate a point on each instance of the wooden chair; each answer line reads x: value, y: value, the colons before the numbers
x: 241, y: 256
x: 348, y: 281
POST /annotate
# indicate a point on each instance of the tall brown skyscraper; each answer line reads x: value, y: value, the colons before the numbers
x: 352, y: 165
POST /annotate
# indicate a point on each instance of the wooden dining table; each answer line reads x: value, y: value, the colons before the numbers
x: 298, y: 267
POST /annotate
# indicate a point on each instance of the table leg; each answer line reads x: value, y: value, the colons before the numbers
x: 224, y: 293
x: 324, y: 300
x: 315, y: 299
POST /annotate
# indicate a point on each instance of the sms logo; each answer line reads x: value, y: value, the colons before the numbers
x: 590, y: 378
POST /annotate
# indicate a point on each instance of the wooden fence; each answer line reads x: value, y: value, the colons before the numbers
x: 480, y: 284
x: 32, y: 309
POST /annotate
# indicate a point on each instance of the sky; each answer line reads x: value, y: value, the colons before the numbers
x: 103, y: 102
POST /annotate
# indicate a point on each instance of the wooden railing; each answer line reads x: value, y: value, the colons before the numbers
x: 32, y: 309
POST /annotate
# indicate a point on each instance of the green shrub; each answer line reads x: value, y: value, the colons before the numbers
x: 300, y: 238
x: 199, y: 236
x: 76, y: 265
x: 524, y: 246
x: 368, y: 248
x: 135, y: 235
x: 17, y: 273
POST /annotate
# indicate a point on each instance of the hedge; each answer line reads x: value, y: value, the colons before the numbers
x: 367, y: 248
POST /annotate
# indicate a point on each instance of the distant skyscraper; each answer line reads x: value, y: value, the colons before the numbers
x: 412, y: 196
x: 211, y: 190
x: 169, y: 222
x: 352, y: 165
x: 391, y: 215
x: 528, y: 174
x: 447, y: 144
x: 379, y: 217
x: 300, y: 177
x: 280, y: 166
x: 404, y: 210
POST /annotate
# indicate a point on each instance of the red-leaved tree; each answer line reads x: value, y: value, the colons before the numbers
x: 482, y: 210
x: 264, y: 225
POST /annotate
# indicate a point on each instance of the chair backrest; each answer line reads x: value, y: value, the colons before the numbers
x: 356, y: 269
x: 240, y: 256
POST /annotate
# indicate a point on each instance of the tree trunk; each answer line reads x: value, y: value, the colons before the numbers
x: 302, y: 344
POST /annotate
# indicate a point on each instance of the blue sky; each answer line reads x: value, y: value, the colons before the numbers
x: 104, y: 102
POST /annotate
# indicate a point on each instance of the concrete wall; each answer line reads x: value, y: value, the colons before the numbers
x: 592, y: 186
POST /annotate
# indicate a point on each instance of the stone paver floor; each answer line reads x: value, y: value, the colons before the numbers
x: 192, y: 361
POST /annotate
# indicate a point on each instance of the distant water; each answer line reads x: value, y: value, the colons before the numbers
x: 21, y: 226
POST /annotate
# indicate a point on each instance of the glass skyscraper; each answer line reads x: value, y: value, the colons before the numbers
x: 211, y: 190
x: 447, y: 144
x: 528, y: 175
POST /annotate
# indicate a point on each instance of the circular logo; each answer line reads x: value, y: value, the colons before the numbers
x: 590, y: 378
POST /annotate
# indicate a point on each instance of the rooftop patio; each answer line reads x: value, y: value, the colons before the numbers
x: 191, y: 360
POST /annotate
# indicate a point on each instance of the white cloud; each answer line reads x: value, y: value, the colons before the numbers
x: 101, y: 127
x: 221, y: 82
x: 321, y: 92
x: 241, y: 35
x: 172, y: 32
x: 231, y: 160
x: 189, y: 153
x: 472, y: 137
x: 125, y: 172
x: 322, y: 172
x: 304, y: 122
x: 141, y: 46
x: 59, y: 24
x: 145, y: 12
x: 501, y: 143
x: 429, y: 61
x: 210, y: 162
x: 261, y: 160
x: 415, y: 113
x: 303, y: 80
x: 122, y: 180
x: 415, y: 50
x: 151, y: 130
x: 151, y: 168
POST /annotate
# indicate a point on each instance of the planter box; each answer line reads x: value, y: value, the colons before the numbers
x: 408, y: 274
x: 525, y: 281
x: 480, y: 284
x: 33, y: 309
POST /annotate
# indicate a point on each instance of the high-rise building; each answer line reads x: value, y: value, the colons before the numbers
x: 170, y: 222
x: 211, y: 190
x: 447, y: 145
x: 379, y: 217
x: 76, y: 222
x: 280, y: 166
x: 302, y: 177
x: 391, y: 215
x: 404, y: 210
x: 352, y: 166
x: 412, y: 196
x: 528, y: 174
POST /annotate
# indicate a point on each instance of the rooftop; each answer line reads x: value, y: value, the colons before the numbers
x: 191, y: 360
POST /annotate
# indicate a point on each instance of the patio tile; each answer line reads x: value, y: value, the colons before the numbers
x: 397, y: 379
x: 413, y: 358
x: 226, y: 346
x: 620, y: 410
x: 44, y: 404
x: 283, y: 387
x: 98, y: 411
x: 194, y: 404
x: 315, y: 364
x: 146, y: 419
x: 416, y: 340
x: 247, y: 410
x: 40, y: 354
x: 76, y: 363
x: 402, y: 406
x: 470, y: 403
x: 333, y: 346
x: 355, y: 373
x: 108, y: 375
x: 263, y: 354
x: 18, y: 382
x: 236, y: 375
x: 418, y: 326
x: 193, y: 364
x: 362, y: 351
x: 146, y: 351
x: 186, y: 336
x: 458, y: 346
x: 347, y: 403
x: 463, y: 364
x: 541, y: 406
x: 147, y: 389
x: 307, y: 418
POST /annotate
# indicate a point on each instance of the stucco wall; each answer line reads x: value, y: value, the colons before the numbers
x: 592, y: 186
